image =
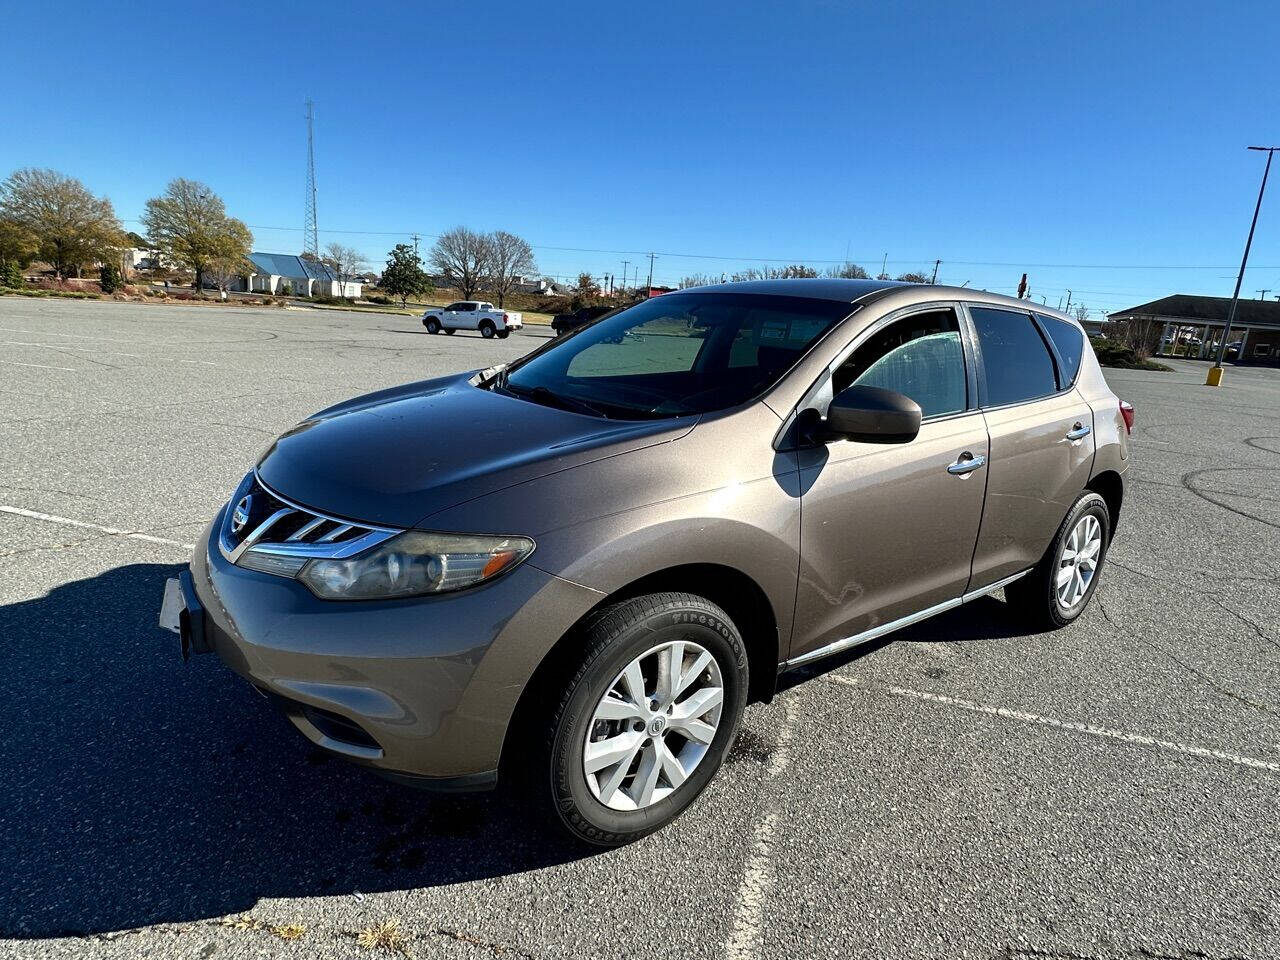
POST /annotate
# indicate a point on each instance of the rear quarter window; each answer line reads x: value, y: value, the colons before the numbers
x: 1069, y: 342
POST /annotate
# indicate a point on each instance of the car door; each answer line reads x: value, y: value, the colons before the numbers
x: 1042, y: 443
x: 888, y: 529
x: 449, y: 315
x: 470, y: 316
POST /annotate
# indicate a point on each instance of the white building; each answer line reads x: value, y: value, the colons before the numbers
x: 283, y: 272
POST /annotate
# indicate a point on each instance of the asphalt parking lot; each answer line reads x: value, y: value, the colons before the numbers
x: 1107, y: 791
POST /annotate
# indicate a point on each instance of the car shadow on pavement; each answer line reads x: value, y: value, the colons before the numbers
x: 136, y: 790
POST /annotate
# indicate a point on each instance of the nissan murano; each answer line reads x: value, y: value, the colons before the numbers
x: 573, y: 572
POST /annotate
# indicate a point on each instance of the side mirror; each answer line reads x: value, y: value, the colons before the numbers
x: 873, y: 415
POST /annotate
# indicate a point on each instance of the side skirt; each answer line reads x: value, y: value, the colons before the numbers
x: 839, y: 646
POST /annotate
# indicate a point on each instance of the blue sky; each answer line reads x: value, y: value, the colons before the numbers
x: 987, y: 135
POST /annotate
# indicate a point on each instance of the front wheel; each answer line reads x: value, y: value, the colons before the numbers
x: 487, y: 329
x: 432, y: 325
x: 1056, y: 592
x: 645, y: 717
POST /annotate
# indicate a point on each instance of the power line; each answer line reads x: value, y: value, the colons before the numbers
x: 808, y: 260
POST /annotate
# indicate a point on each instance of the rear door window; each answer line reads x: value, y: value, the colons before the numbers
x: 1016, y: 361
x: 1069, y: 342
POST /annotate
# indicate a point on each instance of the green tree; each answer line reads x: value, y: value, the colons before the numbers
x: 110, y: 278
x: 68, y: 223
x: 18, y: 247
x: 404, y: 276
x: 189, y: 224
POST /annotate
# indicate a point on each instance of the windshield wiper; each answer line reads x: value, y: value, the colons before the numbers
x: 541, y: 394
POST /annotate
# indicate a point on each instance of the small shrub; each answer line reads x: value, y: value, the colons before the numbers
x: 1113, y: 353
x: 11, y: 275
x: 380, y: 299
x: 109, y: 278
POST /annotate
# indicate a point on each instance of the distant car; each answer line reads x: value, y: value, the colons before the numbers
x: 472, y: 315
x: 563, y: 323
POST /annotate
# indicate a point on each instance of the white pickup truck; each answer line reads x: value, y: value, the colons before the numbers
x: 472, y: 315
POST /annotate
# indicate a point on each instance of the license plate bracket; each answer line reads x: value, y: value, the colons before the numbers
x: 182, y: 613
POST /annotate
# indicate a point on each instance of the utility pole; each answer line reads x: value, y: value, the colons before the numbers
x: 625, y: 264
x: 884, y: 265
x: 1262, y: 294
x: 1068, y: 309
x: 1215, y: 372
x: 415, y: 238
x: 650, y: 290
x: 936, y: 265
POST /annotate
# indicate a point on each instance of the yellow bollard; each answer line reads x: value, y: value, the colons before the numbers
x: 1215, y: 377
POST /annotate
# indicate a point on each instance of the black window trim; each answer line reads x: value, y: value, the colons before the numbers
x: 982, y: 370
x: 1058, y: 364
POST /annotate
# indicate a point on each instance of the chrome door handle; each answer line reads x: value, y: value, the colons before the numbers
x: 966, y: 463
x: 1079, y: 431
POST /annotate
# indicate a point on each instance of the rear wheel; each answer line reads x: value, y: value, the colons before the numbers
x: 487, y: 329
x: 449, y: 331
x: 503, y: 334
x: 432, y: 325
x: 646, y: 713
x: 1061, y: 585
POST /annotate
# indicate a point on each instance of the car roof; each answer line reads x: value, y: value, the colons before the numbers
x: 867, y: 291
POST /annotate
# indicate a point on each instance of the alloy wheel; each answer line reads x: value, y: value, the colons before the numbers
x: 1078, y: 561
x: 653, y: 726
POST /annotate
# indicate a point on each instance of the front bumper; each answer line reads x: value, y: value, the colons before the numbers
x: 421, y: 690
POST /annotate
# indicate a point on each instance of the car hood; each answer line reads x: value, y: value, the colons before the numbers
x: 397, y: 456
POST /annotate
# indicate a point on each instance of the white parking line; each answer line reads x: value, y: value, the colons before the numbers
x: 113, y: 531
x: 1137, y: 739
x: 42, y: 366
x: 757, y: 881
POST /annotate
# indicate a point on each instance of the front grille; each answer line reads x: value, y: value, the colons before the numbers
x: 261, y: 523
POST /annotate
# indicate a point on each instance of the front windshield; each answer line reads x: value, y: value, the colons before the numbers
x: 681, y: 353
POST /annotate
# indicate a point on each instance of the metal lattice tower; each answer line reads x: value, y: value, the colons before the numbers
x: 310, y: 237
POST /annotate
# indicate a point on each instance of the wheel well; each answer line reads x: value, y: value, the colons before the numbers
x: 731, y: 590
x: 1110, y: 487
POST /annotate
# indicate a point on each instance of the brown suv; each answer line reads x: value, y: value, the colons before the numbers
x: 574, y: 572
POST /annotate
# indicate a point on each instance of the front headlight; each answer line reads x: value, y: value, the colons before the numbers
x: 415, y: 563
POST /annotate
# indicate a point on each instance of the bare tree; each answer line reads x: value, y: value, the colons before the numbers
x: 510, y: 258
x: 848, y: 271
x: 189, y: 224
x: 462, y: 256
x: 344, y: 262
x: 70, y: 225
x: 914, y: 278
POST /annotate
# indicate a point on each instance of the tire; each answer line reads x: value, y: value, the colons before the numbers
x: 487, y: 329
x: 432, y: 325
x: 450, y: 331
x: 503, y: 334
x: 645, y: 629
x: 1038, y: 597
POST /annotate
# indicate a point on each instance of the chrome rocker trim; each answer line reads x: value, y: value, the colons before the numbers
x: 875, y: 632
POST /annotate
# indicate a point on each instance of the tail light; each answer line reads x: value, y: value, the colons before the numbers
x: 504, y: 318
x: 1126, y: 411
